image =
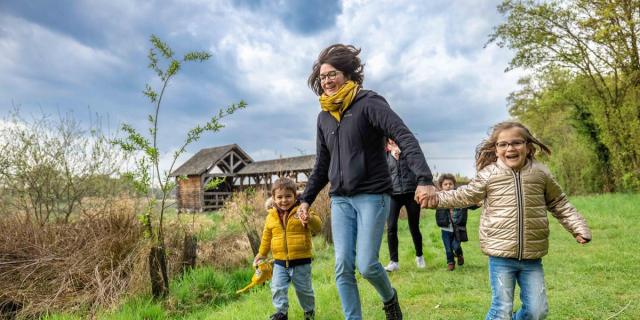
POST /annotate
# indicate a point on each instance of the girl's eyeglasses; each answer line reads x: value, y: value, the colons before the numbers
x: 517, y: 144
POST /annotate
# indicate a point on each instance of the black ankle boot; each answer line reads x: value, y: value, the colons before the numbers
x: 279, y: 316
x: 309, y: 315
x: 392, y: 308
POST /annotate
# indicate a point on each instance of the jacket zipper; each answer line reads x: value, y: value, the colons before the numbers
x: 339, y: 163
x: 520, y: 213
x: 285, y: 223
x: 453, y: 226
x: 399, y: 173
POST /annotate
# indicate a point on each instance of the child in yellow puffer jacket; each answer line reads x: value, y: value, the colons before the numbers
x: 288, y: 236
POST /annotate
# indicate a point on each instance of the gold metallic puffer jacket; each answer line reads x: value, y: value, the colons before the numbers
x: 514, y: 220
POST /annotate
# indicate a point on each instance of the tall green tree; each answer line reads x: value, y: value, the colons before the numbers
x: 597, y: 43
x: 547, y: 104
x: 148, y: 173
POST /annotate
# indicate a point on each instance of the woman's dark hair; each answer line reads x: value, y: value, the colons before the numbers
x: 342, y: 57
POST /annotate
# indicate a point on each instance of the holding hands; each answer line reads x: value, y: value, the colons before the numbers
x: 303, y: 213
x: 426, y: 197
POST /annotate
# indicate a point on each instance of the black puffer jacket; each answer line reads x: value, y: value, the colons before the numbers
x: 459, y: 217
x: 350, y: 153
x: 402, y: 178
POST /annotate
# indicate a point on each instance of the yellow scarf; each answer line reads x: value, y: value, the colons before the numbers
x: 341, y: 100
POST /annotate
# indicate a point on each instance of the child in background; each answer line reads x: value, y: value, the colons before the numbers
x: 517, y: 191
x: 288, y: 236
x: 452, y: 221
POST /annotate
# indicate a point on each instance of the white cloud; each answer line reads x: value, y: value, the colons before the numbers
x: 32, y: 52
x: 166, y: 159
x: 270, y: 61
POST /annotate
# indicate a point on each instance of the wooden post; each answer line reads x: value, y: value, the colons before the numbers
x: 178, y: 195
x: 202, y: 177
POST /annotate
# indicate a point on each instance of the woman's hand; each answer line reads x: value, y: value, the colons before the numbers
x: 304, y: 218
x: 426, y: 196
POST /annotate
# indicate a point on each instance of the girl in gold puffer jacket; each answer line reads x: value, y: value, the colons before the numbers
x: 516, y: 191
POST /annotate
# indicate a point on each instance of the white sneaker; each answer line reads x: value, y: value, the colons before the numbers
x: 392, y: 266
x: 420, y: 262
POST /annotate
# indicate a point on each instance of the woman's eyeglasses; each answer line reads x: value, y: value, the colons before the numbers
x: 331, y: 75
x: 517, y: 144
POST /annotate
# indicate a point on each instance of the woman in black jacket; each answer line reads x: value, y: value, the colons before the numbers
x: 404, y: 187
x: 352, y: 126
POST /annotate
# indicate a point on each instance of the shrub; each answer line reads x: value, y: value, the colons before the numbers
x: 85, y: 263
x: 322, y: 207
x: 247, y: 210
x: 49, y: 166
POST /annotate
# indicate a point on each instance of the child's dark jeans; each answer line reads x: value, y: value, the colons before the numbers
x: 451, y: 246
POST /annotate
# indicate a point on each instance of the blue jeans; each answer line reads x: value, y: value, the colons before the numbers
x: 452, y: 246
x: 504, y: 273
x: 357, y: 224
x: 301, y: 278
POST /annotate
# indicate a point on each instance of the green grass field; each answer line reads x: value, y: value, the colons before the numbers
x: 596, y: 281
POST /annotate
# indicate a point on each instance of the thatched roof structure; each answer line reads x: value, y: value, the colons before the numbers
x: 293, y: 164
x: 205, y: 159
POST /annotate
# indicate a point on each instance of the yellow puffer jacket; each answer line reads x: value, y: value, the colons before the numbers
x: 292, y: 242
x: 514, y: 221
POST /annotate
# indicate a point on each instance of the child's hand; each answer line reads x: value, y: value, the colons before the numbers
x: 582, y: 240
x: 257, y: 259
x: 433, y: 203
x: 304, y: 218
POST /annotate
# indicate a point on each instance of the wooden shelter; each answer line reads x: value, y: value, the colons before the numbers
x: 193, y: 176
x: 237, y: 169
x: 263, y: 172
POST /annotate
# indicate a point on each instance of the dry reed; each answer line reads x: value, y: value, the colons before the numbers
x: 83, y: 264
x: 322, y: 207
x: 246, y: 210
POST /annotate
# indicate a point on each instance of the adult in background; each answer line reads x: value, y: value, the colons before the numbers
x: 352, y: 127
x: 404, y: 186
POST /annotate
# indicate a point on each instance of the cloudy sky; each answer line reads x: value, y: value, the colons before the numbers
x: 425, y: 57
